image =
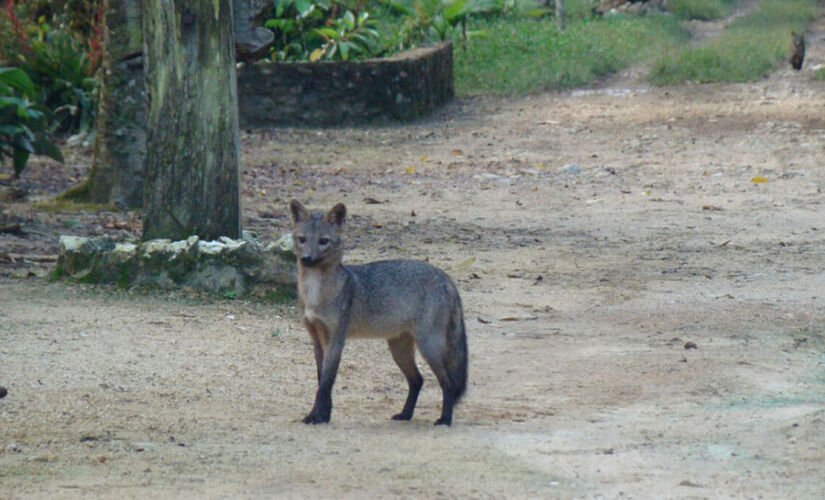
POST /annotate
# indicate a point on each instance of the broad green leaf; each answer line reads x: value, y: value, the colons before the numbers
x: 326, y: 32
x: 280, y: 6
x: 17, y: 78
x: 453, y: 10
x: 349, y: 19
x: 21, y: 141
x: 305, y: 8
x: 45, y: 147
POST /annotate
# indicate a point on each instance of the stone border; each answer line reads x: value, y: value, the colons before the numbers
x: 403, y: 87
x: 228, y: 268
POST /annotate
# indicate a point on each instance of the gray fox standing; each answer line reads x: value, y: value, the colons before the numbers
x: 409, y: 303
x: 797, y: 50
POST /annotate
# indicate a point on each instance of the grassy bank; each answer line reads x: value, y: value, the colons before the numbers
x: 703, y: 10
x: 527, y: 55
x: 747, y: 50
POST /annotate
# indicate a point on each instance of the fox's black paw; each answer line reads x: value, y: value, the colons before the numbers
x: 444, y: 421
x: 402, y: 416
x: 313, y: 418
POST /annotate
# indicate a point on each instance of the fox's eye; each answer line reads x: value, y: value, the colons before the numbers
x: 302, y: 239
x: 323, y: 241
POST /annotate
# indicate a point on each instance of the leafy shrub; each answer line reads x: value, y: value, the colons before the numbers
x: 321, y: 29
x: 348, y: 35
x: 60, y: 62
x: 23, y: 127
x: 443, y: 19
x: 328, y: 29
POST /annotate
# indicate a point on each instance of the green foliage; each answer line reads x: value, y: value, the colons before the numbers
x: 59, y: 61
x: 748, y: 49
x: 349, y: 36
x: 313, y: 30
x: 704, y: 10
x: 62, y: 72
x: 443, y: 19
x: 530, y: 55
x: 327, y: 29
x: 23, y: 127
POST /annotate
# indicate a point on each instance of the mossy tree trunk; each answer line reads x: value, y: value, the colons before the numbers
x: 193, y: 158
x: 116, y: 176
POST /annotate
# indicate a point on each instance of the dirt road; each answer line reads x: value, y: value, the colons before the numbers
x: 643, y: 271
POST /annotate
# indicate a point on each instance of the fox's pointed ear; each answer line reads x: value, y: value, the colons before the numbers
x: 298, y: 211
x: 337, y: 215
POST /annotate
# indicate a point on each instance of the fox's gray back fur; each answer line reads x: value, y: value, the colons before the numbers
x: 405, y: 302
x: 397, y: 296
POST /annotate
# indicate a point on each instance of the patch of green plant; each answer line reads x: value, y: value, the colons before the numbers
x: 349, y: 29
x: 440, y: 20
x: 24, y: 128
x: 703, y: 10
x: 59, y: 60
x: 530, y: 55
x: 819, y: 74
x: 747, y: 50
x: 321, y: 29
x: 280, y: 294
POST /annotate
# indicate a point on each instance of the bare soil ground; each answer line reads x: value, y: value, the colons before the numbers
x: 646, y: 318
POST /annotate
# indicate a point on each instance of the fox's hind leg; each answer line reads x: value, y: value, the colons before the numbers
x: 433, y: 350
x: 444, y: 346
x: 403, y: 352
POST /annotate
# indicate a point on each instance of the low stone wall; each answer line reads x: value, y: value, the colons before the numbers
x: 404, y: 87
x: 229, y: 268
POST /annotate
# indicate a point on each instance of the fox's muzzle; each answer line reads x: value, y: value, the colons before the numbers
x: 308, y: 261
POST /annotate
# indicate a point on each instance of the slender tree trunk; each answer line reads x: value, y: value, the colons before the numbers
x: 116, y: 176
x: 560, y: 14
x: 193, y: 157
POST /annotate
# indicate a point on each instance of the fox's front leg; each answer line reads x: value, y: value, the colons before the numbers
x: 328, y: 362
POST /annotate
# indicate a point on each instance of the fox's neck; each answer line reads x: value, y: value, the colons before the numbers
x: 320, y: 284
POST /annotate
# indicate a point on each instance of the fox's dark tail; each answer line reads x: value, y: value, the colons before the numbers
x: 456, y: 362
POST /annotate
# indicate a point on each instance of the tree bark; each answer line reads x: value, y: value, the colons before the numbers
x: 116, y: 176
x: 193, y: 159
x: 560, y: 14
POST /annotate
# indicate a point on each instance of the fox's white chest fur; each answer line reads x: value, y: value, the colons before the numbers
x: 311, y: 284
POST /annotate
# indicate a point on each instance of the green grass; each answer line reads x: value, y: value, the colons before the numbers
x: 704, y: 10
x: 747, y: 50
x: 530, y: 55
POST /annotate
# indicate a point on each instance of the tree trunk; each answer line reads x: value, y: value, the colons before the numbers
x: 560, y: 14
x: 193, y: 158
x: 116, y: 176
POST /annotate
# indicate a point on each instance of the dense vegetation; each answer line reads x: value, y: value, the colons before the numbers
x: 502, y: 47
x: 49, y: 51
